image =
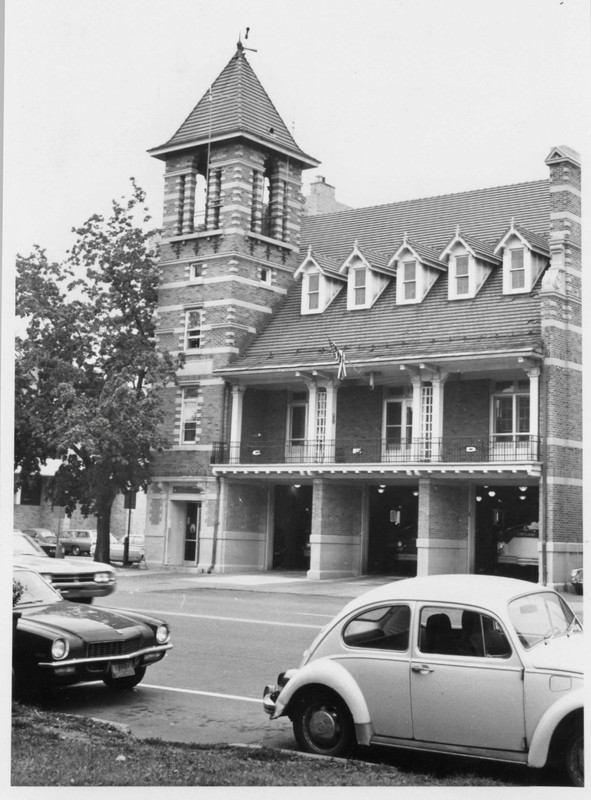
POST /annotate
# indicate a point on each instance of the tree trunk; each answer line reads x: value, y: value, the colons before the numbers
x: 103, y: 528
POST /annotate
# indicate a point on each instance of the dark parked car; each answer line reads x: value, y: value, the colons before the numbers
x: 77, y: 542
x: 75, y: 580
x: 58, y: 643
x: 46, y: 540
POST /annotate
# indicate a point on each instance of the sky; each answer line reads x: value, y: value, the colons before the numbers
x: 398, y: 99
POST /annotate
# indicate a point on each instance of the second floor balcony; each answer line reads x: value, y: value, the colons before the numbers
x: 500, y: 450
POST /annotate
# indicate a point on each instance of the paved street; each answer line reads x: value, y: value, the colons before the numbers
x: 231, y: 635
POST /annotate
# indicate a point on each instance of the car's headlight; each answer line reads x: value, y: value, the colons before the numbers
x: 162, y: 634
x: 103, y: 577
x: 59, y: 649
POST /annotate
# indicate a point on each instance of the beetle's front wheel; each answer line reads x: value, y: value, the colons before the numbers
x: 574, y: 756
x: 322, y: 724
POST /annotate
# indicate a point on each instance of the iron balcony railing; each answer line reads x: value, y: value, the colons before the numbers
x: 464, y: 449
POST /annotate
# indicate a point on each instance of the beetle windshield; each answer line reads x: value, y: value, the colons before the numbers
x: 540, y: 616
x: 33, y: 589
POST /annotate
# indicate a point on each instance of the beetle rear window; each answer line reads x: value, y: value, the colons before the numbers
x: 384, y: 628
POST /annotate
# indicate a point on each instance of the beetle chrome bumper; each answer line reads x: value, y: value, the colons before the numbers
x: 272, y: 691
x: 270, y: 695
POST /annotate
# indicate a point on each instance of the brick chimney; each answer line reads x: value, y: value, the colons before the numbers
x: 321, y: 199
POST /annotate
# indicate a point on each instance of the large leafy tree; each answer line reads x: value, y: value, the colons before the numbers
x: 87, y: 369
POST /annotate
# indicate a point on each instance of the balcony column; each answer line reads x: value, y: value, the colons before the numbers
x: 438, y: 382
x: 331, y: 419
x: 416, y: 417
x: 534, y: 405
x: 311, y: 420
x: 236, y: 423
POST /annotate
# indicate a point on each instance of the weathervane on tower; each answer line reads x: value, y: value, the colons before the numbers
x: 241, y: 46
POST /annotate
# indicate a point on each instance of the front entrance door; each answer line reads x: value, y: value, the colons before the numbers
x: 192, y: 524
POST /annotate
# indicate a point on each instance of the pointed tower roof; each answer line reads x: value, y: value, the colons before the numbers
x: 235, y: 106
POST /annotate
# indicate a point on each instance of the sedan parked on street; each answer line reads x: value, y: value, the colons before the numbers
x: 75, y: 580
x: 136, y: 550
x: 57, y: 643
x: 475, y: 665
x: 77, y: 542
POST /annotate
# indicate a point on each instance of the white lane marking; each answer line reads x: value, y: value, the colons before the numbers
x: 223, y: 619
x: 205, y: 694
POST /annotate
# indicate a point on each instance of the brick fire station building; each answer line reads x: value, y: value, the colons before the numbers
x: 376, y: 390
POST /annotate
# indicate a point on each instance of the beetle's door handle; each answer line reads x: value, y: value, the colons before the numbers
x: 422, y: 668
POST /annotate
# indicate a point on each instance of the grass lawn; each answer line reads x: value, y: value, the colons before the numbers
x: 51, y: 749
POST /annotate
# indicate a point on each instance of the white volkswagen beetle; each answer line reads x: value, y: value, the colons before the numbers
x: 469, y: 664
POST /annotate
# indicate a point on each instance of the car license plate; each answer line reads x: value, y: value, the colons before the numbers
x: 122, y: 669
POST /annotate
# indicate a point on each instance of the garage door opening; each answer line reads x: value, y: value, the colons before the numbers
x: 393, y: 522
x: 293, y: 524
x: 507, y: 531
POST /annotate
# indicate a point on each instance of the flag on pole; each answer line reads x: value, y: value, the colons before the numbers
x: 339, y: 355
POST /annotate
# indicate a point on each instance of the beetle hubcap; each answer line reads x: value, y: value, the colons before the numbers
x: 323, y: 725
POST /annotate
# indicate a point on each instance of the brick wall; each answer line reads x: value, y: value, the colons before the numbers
x: 359, y: 413
x: 443, y: 510
x: 466, y: 408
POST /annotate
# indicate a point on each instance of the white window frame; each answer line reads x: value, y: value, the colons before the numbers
x: 193, y: 339
x: 414, y: 282
x: 520, y: 270
x: 295, y: 447
x: 309, y: 293
x: 190, y: 402
x: 406, y: 425
x: 515, y: 442
x: 460, y: 277
x: 360, y: 274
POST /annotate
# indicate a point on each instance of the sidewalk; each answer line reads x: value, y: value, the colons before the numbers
x: 165, y: 579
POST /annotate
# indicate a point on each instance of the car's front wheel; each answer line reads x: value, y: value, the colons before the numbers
x: 322, y: 724
x: 574, y: 755
x: 75, y: 550
x: 126, y: 683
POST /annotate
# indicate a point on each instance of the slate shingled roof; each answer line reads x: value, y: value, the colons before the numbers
x: 489, y: 322
x: 235, y: 105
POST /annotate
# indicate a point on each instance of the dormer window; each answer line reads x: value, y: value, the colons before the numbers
x: 462, y: 278
x: 517, y: 268
x: 312, y: 283
x: 409, y: 278
x: 367, y: 276
x: 321, y: 282
x: 359, y: 286
x: 525, y: 255
x: 470, y: 262
x: 417, y: 268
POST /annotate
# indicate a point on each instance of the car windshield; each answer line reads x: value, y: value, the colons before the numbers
x: 34, y: 589
x: 25, y: 546
x: 540, y: 616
